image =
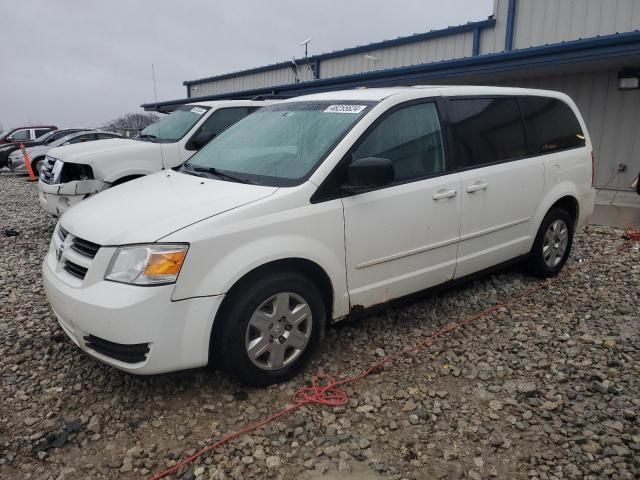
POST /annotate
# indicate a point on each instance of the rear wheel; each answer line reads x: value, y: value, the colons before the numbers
x: 553, y: 243
x: 268, y: 328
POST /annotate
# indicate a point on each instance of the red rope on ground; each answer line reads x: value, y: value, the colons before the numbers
x: 324, y: 389
x: 633, y: 235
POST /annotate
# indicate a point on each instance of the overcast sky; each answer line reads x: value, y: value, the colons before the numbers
x: 84, y: 62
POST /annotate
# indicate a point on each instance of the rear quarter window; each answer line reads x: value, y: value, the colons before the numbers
x: 551, y: 125
x: 486, y: 130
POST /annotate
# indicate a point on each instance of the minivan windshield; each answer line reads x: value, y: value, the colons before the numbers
x: 279, y: 144
x: 175, y: 125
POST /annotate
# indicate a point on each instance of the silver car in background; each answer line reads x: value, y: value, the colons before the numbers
x: 37, y: 153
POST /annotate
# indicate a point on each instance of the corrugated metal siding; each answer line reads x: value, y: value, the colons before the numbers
x: 269, y: 78
x: 612, y: 117
x: 492, y: 39
x: 540, y: 22
x: 434, y: 50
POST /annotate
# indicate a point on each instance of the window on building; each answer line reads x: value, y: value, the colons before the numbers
x: 486, y: 130
x: 551, y: 125
x: 411, y: 138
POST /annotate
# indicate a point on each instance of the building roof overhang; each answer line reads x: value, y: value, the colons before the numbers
x: 621, y: 50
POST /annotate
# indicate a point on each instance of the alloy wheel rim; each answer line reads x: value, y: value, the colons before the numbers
x: 556, y: 240
x: 278, y: 331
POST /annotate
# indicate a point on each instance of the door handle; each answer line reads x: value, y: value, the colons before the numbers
x: 440, y: 194
x: 475, y: 187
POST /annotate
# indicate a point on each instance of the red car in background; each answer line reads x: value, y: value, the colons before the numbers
x: 25, y: 134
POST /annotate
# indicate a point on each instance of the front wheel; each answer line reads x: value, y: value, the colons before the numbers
x: 36, y: 165
x: 553, y: 243
x: 269, y: 328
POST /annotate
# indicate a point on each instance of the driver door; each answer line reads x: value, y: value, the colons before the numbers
x: 403, y: 238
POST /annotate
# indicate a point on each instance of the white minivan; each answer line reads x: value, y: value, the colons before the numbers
x: 69, y: 174
x: 310, y: 210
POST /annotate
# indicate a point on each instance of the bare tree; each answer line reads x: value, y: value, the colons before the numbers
x: 132, y: 121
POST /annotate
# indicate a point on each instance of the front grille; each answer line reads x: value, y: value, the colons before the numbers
x: 75, y: 253
x: 75, y: 269
x: 131, y: 353
x: 46, y: 171
x: 85, y: 247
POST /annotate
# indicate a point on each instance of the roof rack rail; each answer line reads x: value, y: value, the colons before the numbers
x: 272, y: 96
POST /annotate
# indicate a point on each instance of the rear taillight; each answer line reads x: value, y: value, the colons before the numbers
x: 593, y: 168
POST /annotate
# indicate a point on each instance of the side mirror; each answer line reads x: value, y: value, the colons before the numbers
x: 200, y: 140
x: 9, y: 139
x: 369, y: 173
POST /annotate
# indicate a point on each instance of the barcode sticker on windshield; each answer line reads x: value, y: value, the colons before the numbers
x: 345, y: 108
x: 198, y: 110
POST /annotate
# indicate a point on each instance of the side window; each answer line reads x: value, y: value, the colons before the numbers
x: 41, y: 131
x: 411, y: 138
x: 105, y: 136
x: 222, y: 119
x: 22, y: 134
x: 551, y: 125
x: 81, y: 139
x: 486, y: 130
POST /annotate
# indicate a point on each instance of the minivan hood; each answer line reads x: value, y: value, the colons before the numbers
x: 83, y: 152
x: 151, y: 207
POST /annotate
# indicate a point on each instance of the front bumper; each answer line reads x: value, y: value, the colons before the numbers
x: 176, y: 333
x: 57, y: 199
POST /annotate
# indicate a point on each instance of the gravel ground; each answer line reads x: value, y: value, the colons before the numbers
x: 545, y: 388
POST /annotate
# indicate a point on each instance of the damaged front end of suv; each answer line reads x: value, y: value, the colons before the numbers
x: 62, y: 185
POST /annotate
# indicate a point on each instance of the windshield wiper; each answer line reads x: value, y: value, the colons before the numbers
x: 146, y: 136
x: 214, y: 172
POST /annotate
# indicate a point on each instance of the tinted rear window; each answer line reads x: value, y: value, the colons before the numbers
x: 551, y: 125
x: 486, y: 130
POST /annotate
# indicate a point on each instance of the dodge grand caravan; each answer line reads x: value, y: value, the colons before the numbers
x: 312, y: 209
x: 72, y: 173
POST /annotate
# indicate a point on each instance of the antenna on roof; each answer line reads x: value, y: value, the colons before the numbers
x: 306, y: 46
x: 306, y: 52
x: 155, y: 94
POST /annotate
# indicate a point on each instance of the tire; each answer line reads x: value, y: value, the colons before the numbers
x: 35, y: 165
x: 256, y: 338
x: 552, y: 246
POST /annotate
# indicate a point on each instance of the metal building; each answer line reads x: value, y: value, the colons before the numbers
x: 589, y: 49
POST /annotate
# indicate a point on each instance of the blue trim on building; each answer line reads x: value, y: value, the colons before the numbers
x: 575, y: 51
x: 511, y: 20
x: 468, y: 27
x: 475, y: 51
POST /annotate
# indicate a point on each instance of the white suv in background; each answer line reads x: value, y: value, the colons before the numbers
x: 72, y: 173
x: 313, y: 209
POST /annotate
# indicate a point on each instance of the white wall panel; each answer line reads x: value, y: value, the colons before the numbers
x: 251, y: 81
x: 425, y: 51
x: 492, y: 39
x: 541, y: 22
x: 612, y: 117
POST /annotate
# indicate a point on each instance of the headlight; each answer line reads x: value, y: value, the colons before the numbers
x: 153, y: 264
x: 56, y: 172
